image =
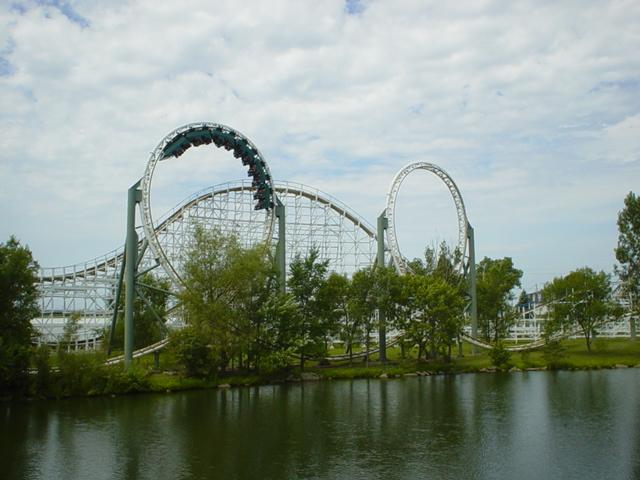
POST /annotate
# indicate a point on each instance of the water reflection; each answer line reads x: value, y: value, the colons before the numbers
x: 529, y: 425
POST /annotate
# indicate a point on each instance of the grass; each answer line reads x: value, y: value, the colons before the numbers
x: 605, y: 353
x: 570, y: 355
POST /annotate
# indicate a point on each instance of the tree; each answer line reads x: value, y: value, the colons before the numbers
x: 18, y: 306
x: 405, y: 311
x: 628, y: 254
x: 307, y: 276
x: 226, y: 288
x: 437, y: 318
x: 524, y: 305
x: 387, y: 294
x: 333, y: 299
x: 70, y: 332
x: 583, y: 299
x: 431, y: 303
x: 496, y: 278
x: 363, y: 304
x: 149, y: 312
x: 280, y: 331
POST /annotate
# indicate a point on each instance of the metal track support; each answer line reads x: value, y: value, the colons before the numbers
x: 383, y: 223
x: 473, y: 294
x: 131, y: 262
x: 281, y: 253
x: 116, y: 303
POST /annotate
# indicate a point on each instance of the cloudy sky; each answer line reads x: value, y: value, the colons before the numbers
x: 532, y: 107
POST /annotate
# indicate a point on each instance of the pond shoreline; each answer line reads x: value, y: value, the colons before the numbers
x: 89, y: 377
x: 172, y: 382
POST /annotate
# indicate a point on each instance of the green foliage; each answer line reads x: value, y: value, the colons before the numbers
x: 227, y: 287
x: 193, y: 353
x: 70, y: 331
x: 336, y: 294
x: 500, y: 356
x: 333, y: 301
x: 525, y: 358
x: 362, y: 306
x: 275, y: 361
x: 120, y: 381
x: 554, y: 354
x: 580, y: 299
x: 496, y: 279
x: 306, y: 281
x: 279, y: 333
x: 80, y: 373
x: 628, y: 251
x: 18, y: 305
x: 431, y: 303
x: 149, y: 313
x: 42, y: 382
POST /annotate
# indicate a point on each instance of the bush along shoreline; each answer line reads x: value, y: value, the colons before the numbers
x: 83, y: 374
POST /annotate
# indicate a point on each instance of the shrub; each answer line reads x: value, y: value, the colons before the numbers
x: 525, y: 358
x: 500, y: 356
x: 193, y: 353
x: 14, y: 368
x: 554, y: 354
x: 80, y: 373
x: 275, y: 361
x: 42, y: 381
x: 121, y: 381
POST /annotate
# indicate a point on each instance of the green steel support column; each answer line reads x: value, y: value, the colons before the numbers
x: 632, y: 318
x: 473, y: 311
x: 131, y: 247
x: 281, y: 247
x: 383, y: 223
x: 116, y: 303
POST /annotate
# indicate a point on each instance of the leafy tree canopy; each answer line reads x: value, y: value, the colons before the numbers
x: 628, y: 249
x: 496, y: 279
x: 226, y: 288
x: 18, y: 306
x: 306, y: 282
x: 149, y: 313
x: 583, y: 299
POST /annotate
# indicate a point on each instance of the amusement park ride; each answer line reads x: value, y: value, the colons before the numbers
x: 292, y: 217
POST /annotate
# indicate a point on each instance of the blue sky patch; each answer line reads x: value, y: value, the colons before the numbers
x: 18, y: 8
x: 353, y: 7
x: 66, y: 10
x: 626, y: 84
x: 6, y: 69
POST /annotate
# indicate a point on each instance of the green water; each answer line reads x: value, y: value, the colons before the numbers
x: 535, y: 425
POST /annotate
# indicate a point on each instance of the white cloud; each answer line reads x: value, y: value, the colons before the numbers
x: 532, y: 107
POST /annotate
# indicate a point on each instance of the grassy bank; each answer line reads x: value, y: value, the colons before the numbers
x: 84, y: 374
x: 571, y: 355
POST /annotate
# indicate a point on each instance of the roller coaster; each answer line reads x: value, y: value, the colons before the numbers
x: 290, y: 216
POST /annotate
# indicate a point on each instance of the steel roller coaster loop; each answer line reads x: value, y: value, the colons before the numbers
x: 175, y: 144
x: 390, y: 212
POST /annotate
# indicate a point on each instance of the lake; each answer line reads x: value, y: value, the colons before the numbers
x: 528, y: 425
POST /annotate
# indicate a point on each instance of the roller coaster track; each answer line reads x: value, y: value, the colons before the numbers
x: 155, y: 347
x: 113, y: 258
x: 392, y: 342
x: 512, y: 348
x: 162, y: 344
x: 313, y: 218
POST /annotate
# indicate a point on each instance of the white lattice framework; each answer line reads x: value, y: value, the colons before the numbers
x: 313, y: 219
